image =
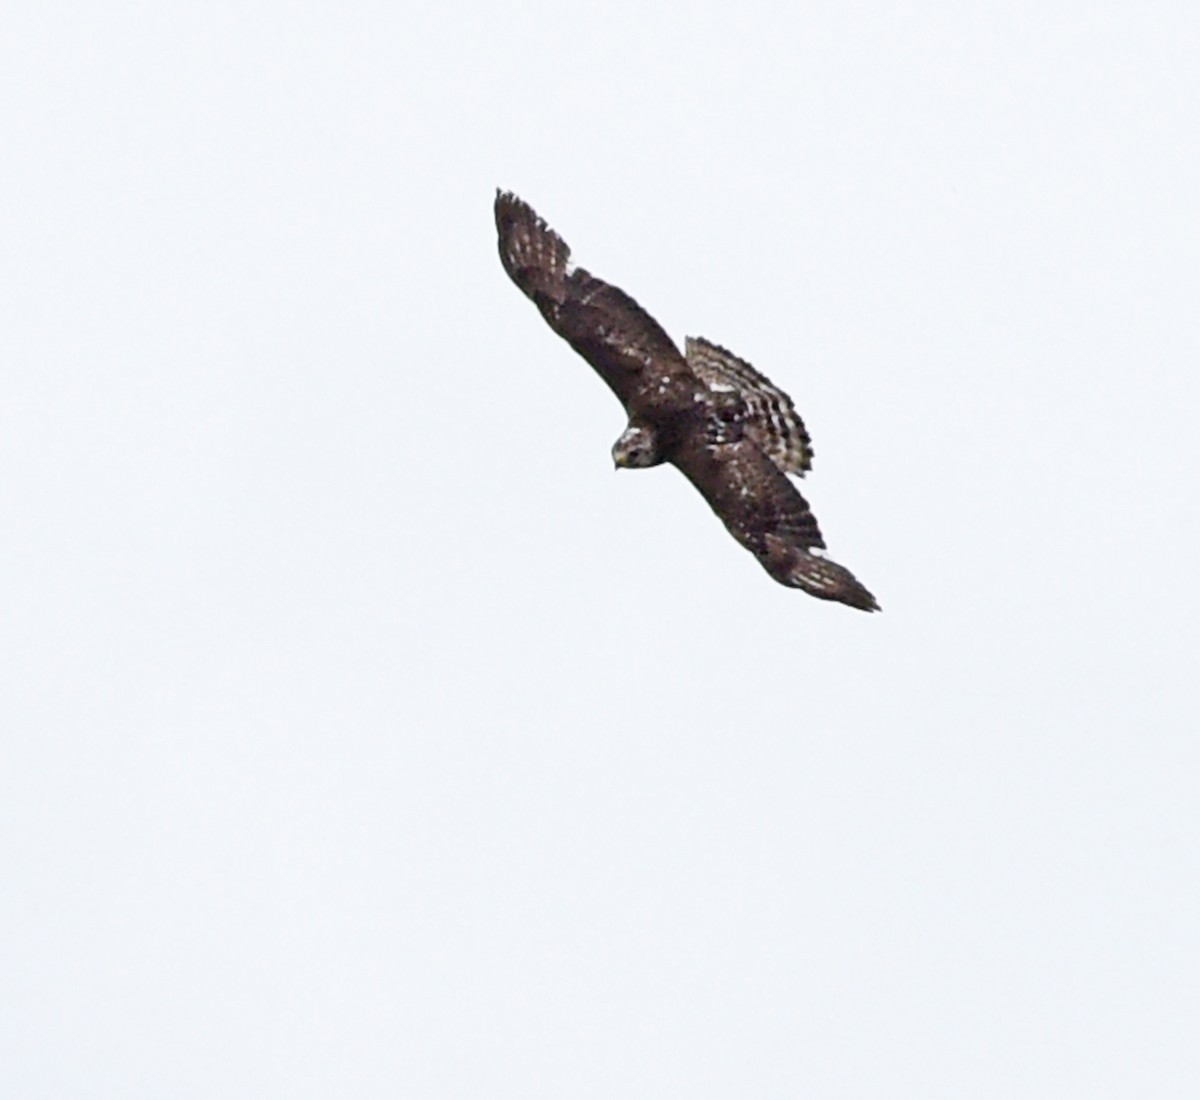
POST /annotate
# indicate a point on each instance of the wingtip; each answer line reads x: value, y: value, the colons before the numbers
x: 853, y: 593
x: 820, y: 577
x: 510, y: 200
x: 503, y: 204
x: 848, y: 591
x: 869, y: 604
x: 536, y: 258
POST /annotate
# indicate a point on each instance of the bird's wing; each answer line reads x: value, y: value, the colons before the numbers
x: 765, y: 512
x: 600, y: 321
x: 772, y: 420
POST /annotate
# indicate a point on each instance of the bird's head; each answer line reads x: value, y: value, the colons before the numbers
x: 637, y: 447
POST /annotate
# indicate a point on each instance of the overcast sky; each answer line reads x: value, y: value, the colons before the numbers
x: 365, y: 734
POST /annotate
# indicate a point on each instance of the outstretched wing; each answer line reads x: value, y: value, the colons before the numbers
x: 765, y: 512
x: 734, y: 435
x: 772, y: 420
x: 600, y: 321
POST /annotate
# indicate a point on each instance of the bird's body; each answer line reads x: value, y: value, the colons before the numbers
x: 732, y: 434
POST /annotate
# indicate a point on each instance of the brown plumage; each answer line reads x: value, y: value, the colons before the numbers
x: 732, y: 433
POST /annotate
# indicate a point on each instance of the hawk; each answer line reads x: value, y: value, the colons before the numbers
x: 730, y: 432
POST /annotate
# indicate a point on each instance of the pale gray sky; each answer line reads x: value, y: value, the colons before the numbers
x: 365, y: 734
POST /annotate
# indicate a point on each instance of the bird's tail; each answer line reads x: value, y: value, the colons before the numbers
x: 818, y: 576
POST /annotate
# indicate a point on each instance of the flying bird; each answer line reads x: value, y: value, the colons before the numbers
x: 733, y: 435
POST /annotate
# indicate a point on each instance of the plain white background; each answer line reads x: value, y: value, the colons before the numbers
x: 365, y: 734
